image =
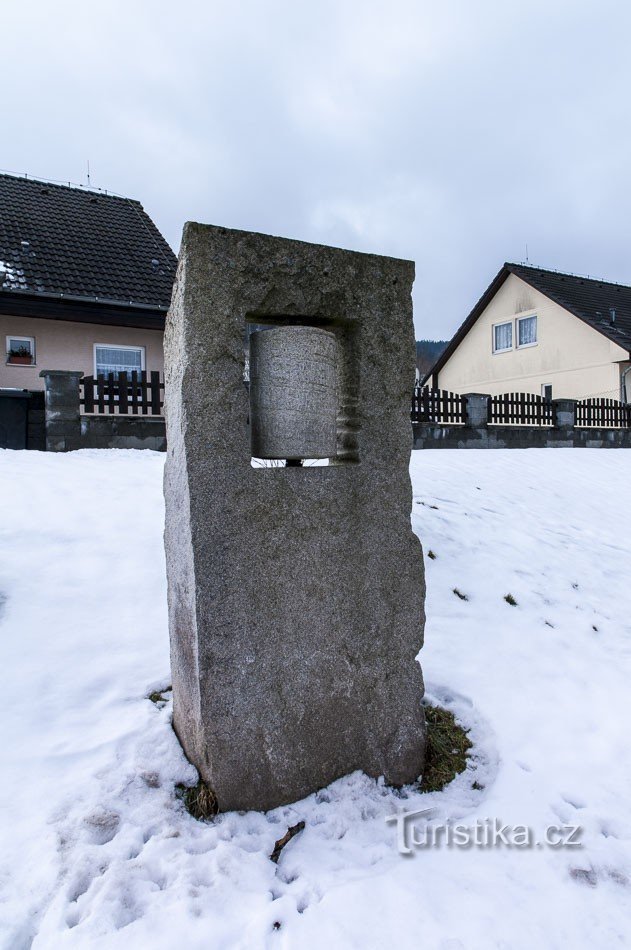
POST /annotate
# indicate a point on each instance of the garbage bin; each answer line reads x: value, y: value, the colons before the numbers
x: 13, y: 418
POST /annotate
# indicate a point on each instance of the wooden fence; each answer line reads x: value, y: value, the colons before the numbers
x: 521, y: 409
x: 603, y: 414
x: 438, y: 406
x: 123, y: 394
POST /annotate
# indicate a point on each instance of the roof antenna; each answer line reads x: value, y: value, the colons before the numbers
x: 88, y: 173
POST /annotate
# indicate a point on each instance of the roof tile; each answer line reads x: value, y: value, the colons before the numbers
x: 591, y: 300
x: 55, y: 239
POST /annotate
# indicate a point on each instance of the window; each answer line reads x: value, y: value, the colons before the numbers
x: 502, y: 337
x: 527, y: 331
x: 546, y: 390
x: 110, y: 358
x: 21, y: 350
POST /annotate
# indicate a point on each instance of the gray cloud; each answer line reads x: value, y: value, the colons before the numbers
x: 452, y: 134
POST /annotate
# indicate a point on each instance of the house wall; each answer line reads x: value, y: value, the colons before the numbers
x: 577, y: 360
x: 61, y: 344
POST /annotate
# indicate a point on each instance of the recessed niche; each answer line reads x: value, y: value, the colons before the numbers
x: 296, y: 371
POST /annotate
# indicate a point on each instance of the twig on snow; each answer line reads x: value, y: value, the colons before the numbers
x: 280, y: 844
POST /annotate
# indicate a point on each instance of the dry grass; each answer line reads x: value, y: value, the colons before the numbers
x: 199, y: 800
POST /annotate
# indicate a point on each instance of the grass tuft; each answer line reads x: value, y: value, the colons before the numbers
x: 510, y: 600
x: 431, y: 555
x: 446, y: 749
x: 199, y: 800
x: 459, y: 594
x: 158, y: 696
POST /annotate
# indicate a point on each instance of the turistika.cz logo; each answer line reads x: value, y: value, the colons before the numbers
x: 416, y: 832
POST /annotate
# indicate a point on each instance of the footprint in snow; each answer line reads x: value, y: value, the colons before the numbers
x: 102, y: 825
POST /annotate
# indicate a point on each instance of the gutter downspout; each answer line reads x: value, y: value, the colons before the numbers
x: 623, y: 386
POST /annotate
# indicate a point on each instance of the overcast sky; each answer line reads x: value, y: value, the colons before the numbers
x: 454, y: 132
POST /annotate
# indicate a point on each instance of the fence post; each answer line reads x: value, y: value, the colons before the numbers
x: 565, y: 414
x: 477, y: 410
x: 62, y: 409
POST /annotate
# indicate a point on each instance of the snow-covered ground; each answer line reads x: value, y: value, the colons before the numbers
x: 97, y: 849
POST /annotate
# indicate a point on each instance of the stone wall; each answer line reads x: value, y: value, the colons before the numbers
x: 478, y: 434
x: 123, y: 432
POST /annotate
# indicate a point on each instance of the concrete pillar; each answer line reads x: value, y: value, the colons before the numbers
x: 62, y: 411
x: 565, y: 413
x: 477, y: 412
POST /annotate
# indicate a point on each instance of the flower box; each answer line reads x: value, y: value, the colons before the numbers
x: 20, y: 357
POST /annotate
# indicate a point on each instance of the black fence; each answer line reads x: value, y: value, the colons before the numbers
x: 521, y: 409
x: 517, y: 421
x: 123, y: 394
x: 143, y: 394
x: 603, y: 414
x: 438, y: 406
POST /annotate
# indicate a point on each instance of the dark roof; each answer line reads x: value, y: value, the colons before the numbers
x: 588, y: 299
x: 85, y: 245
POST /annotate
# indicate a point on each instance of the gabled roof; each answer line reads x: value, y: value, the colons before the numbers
x: 590, y: 300
x: 85, y: 245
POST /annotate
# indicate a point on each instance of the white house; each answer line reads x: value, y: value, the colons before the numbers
x: 540, y: 331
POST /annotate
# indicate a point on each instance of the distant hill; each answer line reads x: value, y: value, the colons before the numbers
x: 427, y: 352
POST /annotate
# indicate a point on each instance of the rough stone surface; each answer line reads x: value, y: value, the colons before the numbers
x: 62, y: 409
x: 477, y: 410
x: 295, y: 594
x: 293, y: 393
x: 123, y: 432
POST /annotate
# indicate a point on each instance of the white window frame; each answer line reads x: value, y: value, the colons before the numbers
x: 20, y: 339
x: 526, y: 316
x: 119, y: 346
x: 502, y: 323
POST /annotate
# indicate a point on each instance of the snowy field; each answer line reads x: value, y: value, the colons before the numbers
x: 97, y: 850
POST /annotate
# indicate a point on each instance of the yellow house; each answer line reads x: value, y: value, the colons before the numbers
x: 539, y: 331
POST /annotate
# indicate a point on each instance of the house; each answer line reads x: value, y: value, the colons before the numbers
x: 539, y: 331
x: 85, y: 283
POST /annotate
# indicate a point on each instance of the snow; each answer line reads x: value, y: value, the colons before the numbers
x: 97, y: 850
x: 9, y: 274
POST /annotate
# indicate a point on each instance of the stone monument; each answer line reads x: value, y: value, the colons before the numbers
x: 296, y: 588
